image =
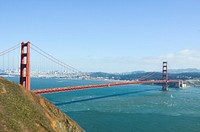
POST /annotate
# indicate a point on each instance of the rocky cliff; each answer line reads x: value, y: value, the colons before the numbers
x: 22, y: 110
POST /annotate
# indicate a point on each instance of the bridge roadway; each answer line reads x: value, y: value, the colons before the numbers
x: 73, y: 88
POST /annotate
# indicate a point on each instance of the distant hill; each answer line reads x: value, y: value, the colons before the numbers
x: 23, y: 111
x: 124, y: 76
x: 183, y: 70
x: 183, y: 74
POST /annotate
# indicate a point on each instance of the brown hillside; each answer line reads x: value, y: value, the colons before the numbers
x: 22, y: 110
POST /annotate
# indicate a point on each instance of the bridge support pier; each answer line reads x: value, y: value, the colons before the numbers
x: 165, y: 77
x: 25, y: 65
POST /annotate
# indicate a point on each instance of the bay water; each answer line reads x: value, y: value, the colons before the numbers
x: 129, y: 108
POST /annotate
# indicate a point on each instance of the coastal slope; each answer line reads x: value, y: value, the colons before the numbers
x: 22, y: 110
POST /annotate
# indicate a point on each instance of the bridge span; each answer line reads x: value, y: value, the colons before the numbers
x: 25, y: 72
x: 73, y: 88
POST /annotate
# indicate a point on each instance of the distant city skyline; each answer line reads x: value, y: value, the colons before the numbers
x: 107, y: 36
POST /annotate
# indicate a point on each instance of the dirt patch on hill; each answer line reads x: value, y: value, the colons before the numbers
x: 2, y: 89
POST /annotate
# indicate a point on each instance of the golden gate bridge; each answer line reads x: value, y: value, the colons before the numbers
x: 25, y: 72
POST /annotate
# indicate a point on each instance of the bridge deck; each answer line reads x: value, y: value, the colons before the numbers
x: 65, y: 89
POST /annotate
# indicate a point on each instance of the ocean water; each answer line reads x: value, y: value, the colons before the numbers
x: 130, y: 108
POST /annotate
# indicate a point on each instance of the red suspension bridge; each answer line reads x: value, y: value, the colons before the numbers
x: 25, y: 72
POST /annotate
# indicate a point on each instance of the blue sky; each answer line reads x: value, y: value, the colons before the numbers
x: 107, y: 35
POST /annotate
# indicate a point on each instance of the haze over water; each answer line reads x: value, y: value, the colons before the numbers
x: 138, y: 108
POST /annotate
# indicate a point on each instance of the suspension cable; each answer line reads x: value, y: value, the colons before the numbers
x: 9, y: 50
x: 64, y: 64
x: 55, y: 60
x: 147, y: 76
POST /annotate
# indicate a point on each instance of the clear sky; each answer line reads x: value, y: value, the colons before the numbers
x: 107, y: 35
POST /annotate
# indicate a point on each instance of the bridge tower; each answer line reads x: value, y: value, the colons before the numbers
x: 25, y: 65
x: 165, y: 76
